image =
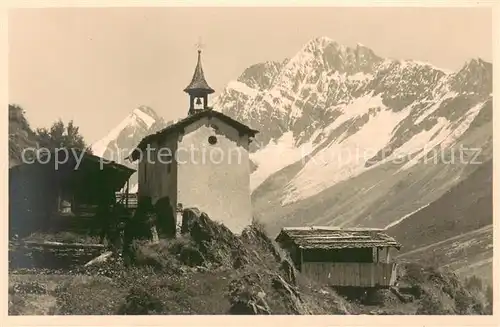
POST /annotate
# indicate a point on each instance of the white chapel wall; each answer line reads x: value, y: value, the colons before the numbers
x: 215, y: 178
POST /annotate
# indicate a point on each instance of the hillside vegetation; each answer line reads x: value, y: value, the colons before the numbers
x: 456, y: 230
x: 22, y: 136
x: 209, y: 270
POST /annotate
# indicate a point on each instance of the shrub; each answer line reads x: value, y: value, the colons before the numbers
x: 415, y: 273
x: 154, y: 255
x: 442, y: 292
x: 466, y: 304
x: 186, y: 251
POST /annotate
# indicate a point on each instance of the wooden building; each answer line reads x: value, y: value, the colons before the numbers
x: 42, y: 193
x: 200, y: 161
x: 342, y: 257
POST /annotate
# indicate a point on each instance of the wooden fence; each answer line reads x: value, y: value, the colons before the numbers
x: 351, y: 273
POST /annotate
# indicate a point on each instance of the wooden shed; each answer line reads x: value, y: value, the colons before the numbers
x: 41, y: 191
x: 357, y: 257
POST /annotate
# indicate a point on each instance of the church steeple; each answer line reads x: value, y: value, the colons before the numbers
x: 198, y: 89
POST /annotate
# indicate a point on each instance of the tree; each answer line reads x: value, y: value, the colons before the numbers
x: 17, y: 118
x: 61, y: 136
x: 21, y: 136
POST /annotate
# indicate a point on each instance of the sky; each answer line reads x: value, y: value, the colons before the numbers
x: 95, y: 65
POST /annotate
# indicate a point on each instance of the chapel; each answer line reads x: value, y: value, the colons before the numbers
x: 201, y: 161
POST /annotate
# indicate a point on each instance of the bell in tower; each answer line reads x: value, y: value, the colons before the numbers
x: 198, y: 90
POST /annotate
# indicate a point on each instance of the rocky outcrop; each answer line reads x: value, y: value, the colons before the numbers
x: 258, y: 276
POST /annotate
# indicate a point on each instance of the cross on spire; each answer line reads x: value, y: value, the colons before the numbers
x: 199, y: 45
x: 198, y: 89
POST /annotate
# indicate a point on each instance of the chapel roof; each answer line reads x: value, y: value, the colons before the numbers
x: 181, y: 124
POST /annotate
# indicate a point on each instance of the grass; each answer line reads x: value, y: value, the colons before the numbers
x: 212, y: 271
x: 221, y: 290
x: 82, y: 296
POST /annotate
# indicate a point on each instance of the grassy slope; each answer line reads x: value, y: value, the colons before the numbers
x: 377, y: 197
x: 382, y: 195
x: 467, y: 254
x: 455, y: 230
x: 465, y: 207
x: 209, y: 272
x: 212, y: 271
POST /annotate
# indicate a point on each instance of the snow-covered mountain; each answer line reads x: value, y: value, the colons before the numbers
x: 331, y: 99
x: 349, y: 138
x: 127, y: 134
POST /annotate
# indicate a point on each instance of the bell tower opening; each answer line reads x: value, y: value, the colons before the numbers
x: 198, y: 90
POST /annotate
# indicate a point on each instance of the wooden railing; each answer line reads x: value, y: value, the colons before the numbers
x: 129, y: 200
x: 351, y: 273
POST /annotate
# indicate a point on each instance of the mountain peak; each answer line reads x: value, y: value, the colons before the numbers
x: 475, y: 76
x: 476, y: 63
x: 141, y: 110
x: 322, y: 40
x: 320, y: 43
x: 260, y: 76
x: 137, y: 124
x: 474, y: 68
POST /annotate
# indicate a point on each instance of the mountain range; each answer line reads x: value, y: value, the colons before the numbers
x: 349, y: 138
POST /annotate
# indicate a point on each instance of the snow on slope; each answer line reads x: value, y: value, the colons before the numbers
x: 435, y: 106
x: 344, y: 104
x: 136, y: 119
x: 275, y: 156
x: 242, y: 88
x: 148, y: 120
x: 123, y: 138
x: 445, y: 138
x: 345, y: 159
x: 351, y: 104
x: 394, y: 223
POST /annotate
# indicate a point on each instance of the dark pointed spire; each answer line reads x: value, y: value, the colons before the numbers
x: 198, y: 89
x: 198, y: 83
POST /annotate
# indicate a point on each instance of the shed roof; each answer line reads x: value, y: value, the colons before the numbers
x: 336, y: 238
x: 92, y: 170
x: 181, y: 124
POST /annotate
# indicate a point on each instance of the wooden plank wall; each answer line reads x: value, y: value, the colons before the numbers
x: 351, y: 273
